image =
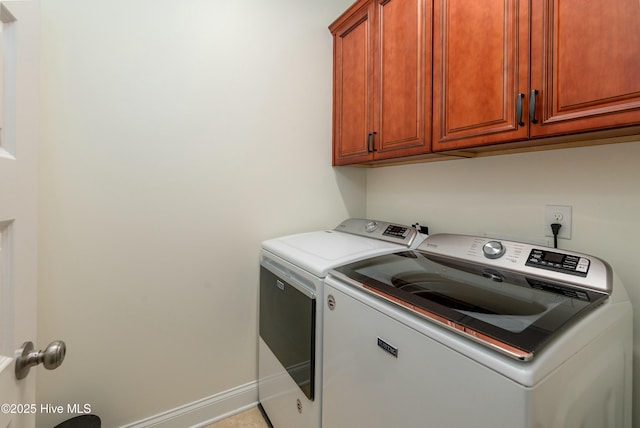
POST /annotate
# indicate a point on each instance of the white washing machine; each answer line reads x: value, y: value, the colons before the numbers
x: 292, y: 270
x: 468, y: 332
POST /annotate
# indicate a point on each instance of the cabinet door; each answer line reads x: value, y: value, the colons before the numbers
x: 481, y: 57
x: 352, y: 82
x: 585, y: 63
x: 402, y: 76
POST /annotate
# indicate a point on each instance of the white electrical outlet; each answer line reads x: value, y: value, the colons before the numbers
x: 558, y: 214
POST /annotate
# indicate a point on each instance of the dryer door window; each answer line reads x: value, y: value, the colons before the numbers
x: 287, y: 326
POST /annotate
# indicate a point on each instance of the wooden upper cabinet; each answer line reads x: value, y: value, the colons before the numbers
x: 352, y: 82
x: 585, y: 65
x: 382, y: 81
x: 504, y: 71
x: 516, y: 70
x: 480, y: 72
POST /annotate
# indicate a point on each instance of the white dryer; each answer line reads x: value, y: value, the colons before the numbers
x: 292, y: 272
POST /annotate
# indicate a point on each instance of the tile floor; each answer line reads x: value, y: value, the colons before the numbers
x: 251, y: 418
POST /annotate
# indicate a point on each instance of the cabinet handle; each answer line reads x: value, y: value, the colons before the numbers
x: 519, y: 109
x: 532, y: 106
x: 369, y: 142
x: 373, y: 141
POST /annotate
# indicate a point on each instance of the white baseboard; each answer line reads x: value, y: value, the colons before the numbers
x: 205, y: 411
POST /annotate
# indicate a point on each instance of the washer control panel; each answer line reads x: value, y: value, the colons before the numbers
x: 533, y: 261
x: 558, y: 262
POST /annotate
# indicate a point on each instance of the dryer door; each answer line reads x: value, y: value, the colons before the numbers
x: 288, y: 326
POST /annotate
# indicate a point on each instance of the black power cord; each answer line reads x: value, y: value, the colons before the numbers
x: 421, y: 229
x: 555, y: 228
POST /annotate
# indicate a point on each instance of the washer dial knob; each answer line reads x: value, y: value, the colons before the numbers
x: 493, y: 249
x: 371, y: 226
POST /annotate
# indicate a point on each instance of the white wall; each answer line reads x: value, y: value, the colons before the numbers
x: 506, y: 196
x: 176, y: 136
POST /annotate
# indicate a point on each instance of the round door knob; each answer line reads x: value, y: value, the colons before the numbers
x: 51, y: 358
x: 493, y: 249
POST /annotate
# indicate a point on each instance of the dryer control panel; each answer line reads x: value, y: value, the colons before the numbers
x: 382, y: 230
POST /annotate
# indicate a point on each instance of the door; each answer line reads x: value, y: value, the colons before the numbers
x: 584, y: 65
x: 19, y: 106
x: 288, y: 327
x: 382, y: 81
x: 352, y: 83
x: 403, y: 77
x: 480, y: 72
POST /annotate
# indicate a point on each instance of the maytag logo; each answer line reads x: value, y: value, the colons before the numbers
x: 390, y: 349
x: 280, y: 284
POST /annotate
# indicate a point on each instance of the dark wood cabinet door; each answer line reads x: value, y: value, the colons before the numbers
x: 352, y: 82
x: 382, y: 81
x: 585, y: 63
x: 402, y: 76
x: 480, y: 72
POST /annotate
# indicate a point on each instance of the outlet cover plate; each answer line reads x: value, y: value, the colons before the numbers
x: 550, y: 216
